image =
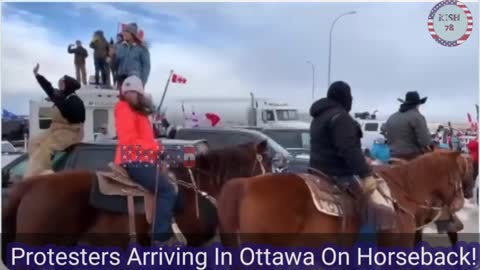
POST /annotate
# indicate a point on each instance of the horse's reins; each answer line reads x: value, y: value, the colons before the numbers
x: 193, y: 186
x: 424, y: 205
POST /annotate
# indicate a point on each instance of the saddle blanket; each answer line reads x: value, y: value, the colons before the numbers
x: 330, y: 200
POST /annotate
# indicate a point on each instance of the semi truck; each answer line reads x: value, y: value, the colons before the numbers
x: 233, y: 112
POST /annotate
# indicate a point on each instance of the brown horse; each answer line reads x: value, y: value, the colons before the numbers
x: 55, y: 208
x: 278, y: 209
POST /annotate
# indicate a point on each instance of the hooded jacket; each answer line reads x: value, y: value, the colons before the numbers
x: 70, y: 105
x: 335, y: 141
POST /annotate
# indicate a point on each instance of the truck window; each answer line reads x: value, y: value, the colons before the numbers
x: 215, y: 139
x: 19, y: 169
x: 371, y: 127
x: 44, y: 117
x: 287, y: 115
x: 100, y: 117
x: 267, y: 115
x: 94, y: 158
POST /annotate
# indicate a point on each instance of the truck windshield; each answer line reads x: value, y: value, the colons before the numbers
x: 286, y: 115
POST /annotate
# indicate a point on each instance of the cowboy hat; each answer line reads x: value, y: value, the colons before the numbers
x: 413, y: 98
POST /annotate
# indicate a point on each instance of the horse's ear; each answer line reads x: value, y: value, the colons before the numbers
x: 262, y: 147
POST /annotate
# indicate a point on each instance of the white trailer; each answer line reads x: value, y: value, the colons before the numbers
x: 255, y: 112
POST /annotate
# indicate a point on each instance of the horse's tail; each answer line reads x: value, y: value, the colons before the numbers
x: 9, y: 213
x: 229, y: 210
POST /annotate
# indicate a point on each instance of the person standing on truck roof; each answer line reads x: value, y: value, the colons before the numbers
x: 66, y: 129
x: 100, y: 47
x: 132, y: 57
x: 80, y: 54
x: 134, y: 129
x: 336, y: 149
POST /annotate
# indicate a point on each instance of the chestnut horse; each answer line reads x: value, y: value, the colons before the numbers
x: 278, y: 209
x: 55, y: 209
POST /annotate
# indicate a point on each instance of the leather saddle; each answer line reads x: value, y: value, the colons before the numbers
x: 118, y: 183
x: 328, y: 198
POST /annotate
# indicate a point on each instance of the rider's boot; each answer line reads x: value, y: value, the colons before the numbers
x: 381, y: 208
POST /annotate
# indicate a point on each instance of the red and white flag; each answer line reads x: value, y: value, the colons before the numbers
x: 178, y: 79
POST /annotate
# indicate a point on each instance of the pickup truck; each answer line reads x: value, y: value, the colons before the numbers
x: 90, y: 156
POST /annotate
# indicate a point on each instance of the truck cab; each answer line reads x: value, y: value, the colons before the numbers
x: 278, y: 115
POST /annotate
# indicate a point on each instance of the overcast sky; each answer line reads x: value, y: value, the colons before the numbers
x: 232, y: 49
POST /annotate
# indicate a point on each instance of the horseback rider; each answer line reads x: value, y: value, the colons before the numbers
x: 66, y: 129
x: 408, y: 136
x: 336, y: 147
x: 407, y: 131
x: 134, y: 129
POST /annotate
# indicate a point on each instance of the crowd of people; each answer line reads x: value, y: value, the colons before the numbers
x: 114, y: 61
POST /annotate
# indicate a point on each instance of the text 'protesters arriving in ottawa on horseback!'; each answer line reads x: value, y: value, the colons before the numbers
x: 245, y: 257
x: 170, y: 156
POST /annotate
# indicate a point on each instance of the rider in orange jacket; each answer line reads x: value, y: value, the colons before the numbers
x: 137, y: 152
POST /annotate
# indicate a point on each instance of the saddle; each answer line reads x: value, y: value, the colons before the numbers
x: 118, y: 183
x: 333, y: 200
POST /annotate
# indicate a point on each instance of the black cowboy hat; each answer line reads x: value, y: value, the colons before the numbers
x: 413, y: 98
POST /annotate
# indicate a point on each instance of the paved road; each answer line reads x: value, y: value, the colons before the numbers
x: 469, y: 216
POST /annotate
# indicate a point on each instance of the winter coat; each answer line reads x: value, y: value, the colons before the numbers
x: 80, y: 54
x: 132, y: 59
x: 70, y: 105
x: 407, y: 133
x: 134, y: 131
x: 335, y: 141
x: 100, y: 48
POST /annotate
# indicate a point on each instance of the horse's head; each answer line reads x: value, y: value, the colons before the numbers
x: 235, y: 161
x: 465, y: 163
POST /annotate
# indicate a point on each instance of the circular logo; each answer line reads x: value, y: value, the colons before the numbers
x: 450, y: 23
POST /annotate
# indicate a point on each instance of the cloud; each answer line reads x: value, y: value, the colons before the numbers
x: 109, y: 12
x: 235, y: 48
x: 207, y: 74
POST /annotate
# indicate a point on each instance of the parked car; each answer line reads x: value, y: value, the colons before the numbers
x: 90, y: 156
x: 9, y: 153
x: 222, y: 137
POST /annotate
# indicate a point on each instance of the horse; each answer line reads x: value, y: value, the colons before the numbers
x: 282, y: 209
x: 55, y: 208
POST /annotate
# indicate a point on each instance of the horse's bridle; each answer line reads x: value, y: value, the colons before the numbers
x: 458, y: 190
x: 258, y: 160
x: 193, y: 186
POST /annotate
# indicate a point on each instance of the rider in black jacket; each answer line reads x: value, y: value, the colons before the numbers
x: 336, y: 146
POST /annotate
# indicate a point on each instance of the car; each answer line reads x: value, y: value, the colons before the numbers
x: 89, y: 156
x: 295, y: 140
x: 221, y: 137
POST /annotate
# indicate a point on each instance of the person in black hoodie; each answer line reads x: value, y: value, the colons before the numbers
x: 336, y: 149
x: 66, y: 128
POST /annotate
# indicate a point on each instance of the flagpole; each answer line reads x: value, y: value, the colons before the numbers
x: 165, y: 91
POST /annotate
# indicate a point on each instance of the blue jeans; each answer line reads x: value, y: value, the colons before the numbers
x: 100, y: 67
x: 145, y: 174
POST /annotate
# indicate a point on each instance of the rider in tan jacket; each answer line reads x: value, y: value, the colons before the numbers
x: 66, y: 129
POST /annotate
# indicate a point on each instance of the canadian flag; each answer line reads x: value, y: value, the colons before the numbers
x: 178, y: 79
